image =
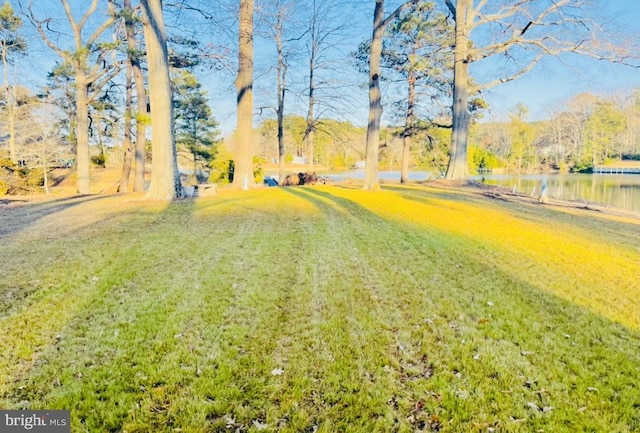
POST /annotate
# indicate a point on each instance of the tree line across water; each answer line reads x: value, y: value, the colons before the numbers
x: 125, y: 60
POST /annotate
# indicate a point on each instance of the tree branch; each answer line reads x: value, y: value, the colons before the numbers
x: 100, y: 30
x: 38, y: 26
x: 398, y: 11
x: 451, y: 7
x: 501, y: 80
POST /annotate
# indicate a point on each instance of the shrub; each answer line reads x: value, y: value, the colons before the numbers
x: 99, y: 160
x: 221, y: 171
x: 19, y: 180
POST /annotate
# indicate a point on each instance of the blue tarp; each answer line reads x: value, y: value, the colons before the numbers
x: 269, y: 181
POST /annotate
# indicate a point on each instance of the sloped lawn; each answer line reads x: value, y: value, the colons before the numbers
x: 321, y: 309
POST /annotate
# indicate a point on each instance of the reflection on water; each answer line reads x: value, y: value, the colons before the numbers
x: 620, y: 191
x: 382, y: 175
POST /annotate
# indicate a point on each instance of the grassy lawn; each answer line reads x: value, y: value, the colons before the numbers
x: 321, y: 309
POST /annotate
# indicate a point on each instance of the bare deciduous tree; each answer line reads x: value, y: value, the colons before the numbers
x: 91, y: 65
x: 276, y: 14
x: 523, y: 33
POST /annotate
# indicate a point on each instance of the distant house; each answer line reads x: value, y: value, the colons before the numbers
x: 298, y: 160
x: 359, y: 165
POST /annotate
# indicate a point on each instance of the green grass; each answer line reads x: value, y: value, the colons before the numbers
x: 322, y: 309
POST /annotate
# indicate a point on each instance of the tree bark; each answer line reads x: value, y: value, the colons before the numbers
x: 408, y: 127
x: 82, y: 132
x: 89, y: 79
x: 165, y: 180
x: 10, y: 100
x: 141, y: 96
x: 375, y: 103
x: 281, y: 72
x: 141, y: 128
x: 375, y: 97
x: 458, y: 167
x: 243, y: 172
x: 311, y: 127
x: 127, y: 144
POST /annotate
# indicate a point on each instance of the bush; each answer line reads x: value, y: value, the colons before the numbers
x: 482, y: 159
x: 19, y: 180
x: 221, y: 171
x: 584, y: 166
x: 99, y: 160
x: 258, y: 174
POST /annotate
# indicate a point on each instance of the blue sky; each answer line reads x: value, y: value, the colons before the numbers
x: 553, y: 82
x: 543, y: 90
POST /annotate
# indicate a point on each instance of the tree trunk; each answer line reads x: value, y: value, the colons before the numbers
x: 127, y: 144
x: 45, y: 168
x: 311, y: 127
x: 408, y: 128
x: 10, y: 100
x: 141, y: 95
x: 375, y: 103
x: 82, y: 131
x: 243, y: 173
x: 458, y: 167
x: 141, y: 128
x: 165, y: 181
x: 281, y: 72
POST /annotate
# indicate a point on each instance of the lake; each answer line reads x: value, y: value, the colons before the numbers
x: 617, y: 190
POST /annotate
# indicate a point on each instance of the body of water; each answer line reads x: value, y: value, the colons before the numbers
x: 621, y: 191
x: 382, y: 175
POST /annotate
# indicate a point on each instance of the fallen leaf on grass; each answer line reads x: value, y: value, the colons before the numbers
x: 277, y: 372
x: 526, y: 353
x: 592, y: 389
x: 259, y: 425
x: 231, y: 423
x: 533, y: 406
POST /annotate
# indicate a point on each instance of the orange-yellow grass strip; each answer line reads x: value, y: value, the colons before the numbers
x: 598, y: 275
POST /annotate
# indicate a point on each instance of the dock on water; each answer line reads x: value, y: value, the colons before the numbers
x: 616, y: 170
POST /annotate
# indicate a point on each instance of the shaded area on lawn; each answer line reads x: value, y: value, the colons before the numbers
x: 27, y: 215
